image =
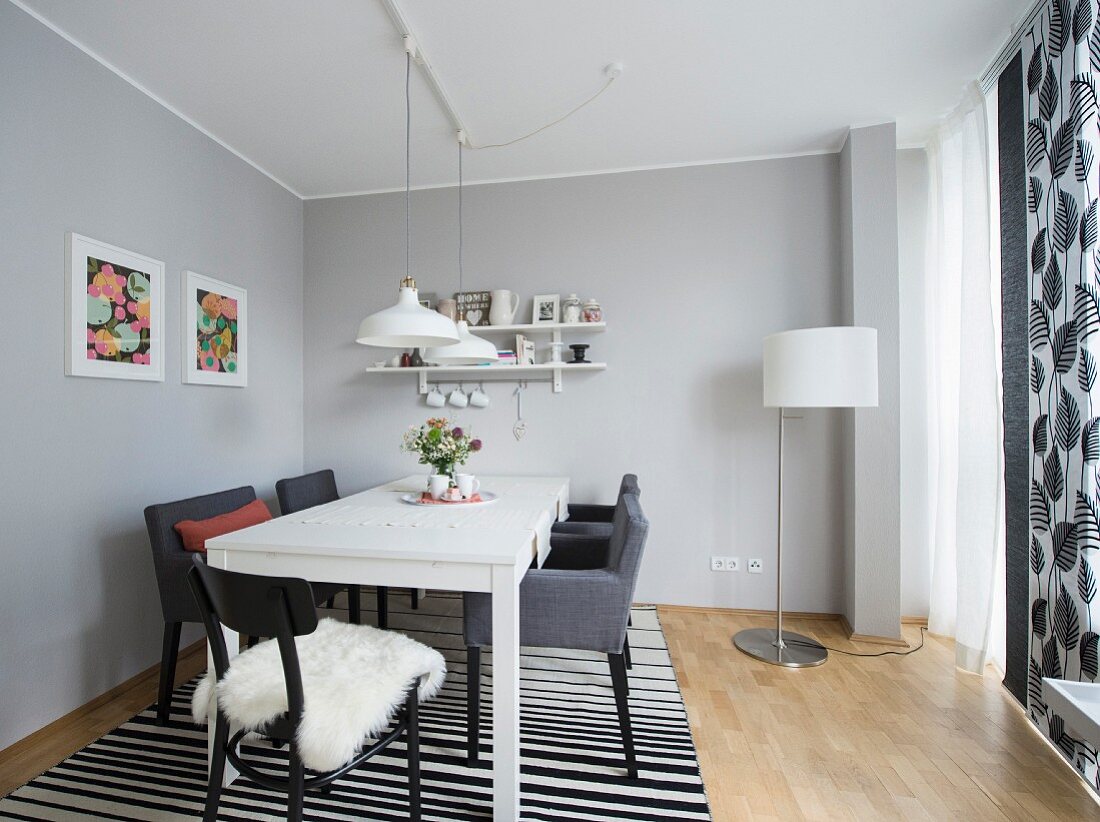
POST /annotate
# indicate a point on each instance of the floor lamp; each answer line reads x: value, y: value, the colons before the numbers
x: 809, y: 368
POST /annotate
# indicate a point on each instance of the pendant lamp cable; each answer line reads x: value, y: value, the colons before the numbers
x: 613, y: 73
x: 408, y: 131
x: 460, y: 216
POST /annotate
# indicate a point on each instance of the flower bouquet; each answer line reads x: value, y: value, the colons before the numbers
x: 440, y: 444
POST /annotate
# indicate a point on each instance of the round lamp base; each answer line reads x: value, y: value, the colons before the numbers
x: 800, y: 651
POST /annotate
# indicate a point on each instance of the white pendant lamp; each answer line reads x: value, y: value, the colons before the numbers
x: 471, y: 349
x: 407, y: 324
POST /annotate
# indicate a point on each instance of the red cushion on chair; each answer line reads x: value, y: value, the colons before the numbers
x: 195, y: 532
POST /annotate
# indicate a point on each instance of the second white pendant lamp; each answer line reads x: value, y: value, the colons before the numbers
x: 471, y: 349
x: 408, y: 324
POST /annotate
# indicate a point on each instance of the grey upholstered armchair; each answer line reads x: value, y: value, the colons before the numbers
x: 581, y: 609
x: 595, y: 520
x: 172, y: 562
x: 581, y: 541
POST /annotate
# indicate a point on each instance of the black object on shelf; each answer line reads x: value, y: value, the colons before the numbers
x: 578, y: 353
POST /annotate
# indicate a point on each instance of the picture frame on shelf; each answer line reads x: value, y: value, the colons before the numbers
x: 114, y: 312
x: 546, y: 309
x: 215, y: 332
x: 473, y: 307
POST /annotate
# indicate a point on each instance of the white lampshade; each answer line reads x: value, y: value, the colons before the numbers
x: 470, y: 350
x: 821, y: 368
x: 407, y: 324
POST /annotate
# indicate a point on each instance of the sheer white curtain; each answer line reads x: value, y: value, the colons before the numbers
x: 964, y: 410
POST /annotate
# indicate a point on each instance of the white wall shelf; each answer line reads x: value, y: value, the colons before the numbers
x: 539, y: 328
x: 552, y: 371
x: 477, y: 373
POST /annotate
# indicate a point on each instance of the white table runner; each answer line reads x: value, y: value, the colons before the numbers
x: 372, y: 508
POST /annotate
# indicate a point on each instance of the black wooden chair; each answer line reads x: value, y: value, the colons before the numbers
x: 575, y: 608
x: 298, y: 493
x: 284, y: 608
x: 172, y: 562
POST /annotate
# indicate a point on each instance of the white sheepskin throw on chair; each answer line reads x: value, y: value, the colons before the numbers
x: 354, y: 678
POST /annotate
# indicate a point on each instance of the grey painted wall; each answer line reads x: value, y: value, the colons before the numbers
x: 870, y: 274
x: 916, y: 563
x: 694, y: 267
x: 82, y: 150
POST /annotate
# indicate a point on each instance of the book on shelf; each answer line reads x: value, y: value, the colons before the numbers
x: 525, y: 350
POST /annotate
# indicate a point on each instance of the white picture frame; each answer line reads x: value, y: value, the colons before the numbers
x: 111, y: 332
x: 546, y: 308
x: 224, y: 359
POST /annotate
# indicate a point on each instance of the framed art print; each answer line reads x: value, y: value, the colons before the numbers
x: 114, y: 312
x: 215, y: 332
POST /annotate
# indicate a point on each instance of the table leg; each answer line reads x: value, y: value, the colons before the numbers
x: 505, y: 694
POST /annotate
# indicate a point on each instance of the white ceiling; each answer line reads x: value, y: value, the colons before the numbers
x: 312, y: 92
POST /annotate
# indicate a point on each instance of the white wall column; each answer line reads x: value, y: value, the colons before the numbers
x: 869, y: 256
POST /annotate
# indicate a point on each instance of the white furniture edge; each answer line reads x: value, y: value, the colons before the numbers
x: 1059, y: 694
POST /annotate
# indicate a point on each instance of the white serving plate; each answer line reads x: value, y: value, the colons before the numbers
x: 487, y: 498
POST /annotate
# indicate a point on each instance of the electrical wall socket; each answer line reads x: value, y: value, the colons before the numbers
x: 725, y: 564
x: 756, y: 566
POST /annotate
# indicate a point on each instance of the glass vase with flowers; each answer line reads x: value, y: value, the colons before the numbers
x: 441, y: 444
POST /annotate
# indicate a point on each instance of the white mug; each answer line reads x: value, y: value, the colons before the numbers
x: 438, y: 485
x: 435, y: 398
x: 468, y: 485
x: 479, y: 399
x: 458, y: 398
x: 503, y: 307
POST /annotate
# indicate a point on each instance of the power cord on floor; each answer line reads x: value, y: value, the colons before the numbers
x: 853, y: 653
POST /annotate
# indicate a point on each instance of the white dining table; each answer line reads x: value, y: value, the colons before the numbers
x: 374, y: 538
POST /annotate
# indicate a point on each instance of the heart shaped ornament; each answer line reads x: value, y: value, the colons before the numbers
x: 474, y: 317
x: 519, y: 429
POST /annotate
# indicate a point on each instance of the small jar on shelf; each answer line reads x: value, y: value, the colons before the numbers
x: 571, y: 309
x: 592, y: 313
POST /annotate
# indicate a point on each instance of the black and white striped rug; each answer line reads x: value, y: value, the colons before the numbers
x: 571, y: 751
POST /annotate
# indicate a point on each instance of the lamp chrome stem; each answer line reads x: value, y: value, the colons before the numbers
x: 779, y: 643
x: 784, y: 648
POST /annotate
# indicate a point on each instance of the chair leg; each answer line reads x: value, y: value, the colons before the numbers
x: 252, y: 640
x: 626, y: 653
x: 217, y: 770
x: 473, y: 704
x: 355, y: 613
x: 330, y: 603
x: 412, y: 744
x: 618, y: 680
x: 383, y: 606
x: 169, y: 652
x: 295, y: 787
x: 414, y: 598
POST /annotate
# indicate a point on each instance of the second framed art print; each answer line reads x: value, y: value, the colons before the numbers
x: 215, y: 332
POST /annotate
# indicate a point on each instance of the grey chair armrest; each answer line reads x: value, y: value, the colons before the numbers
x: 577, y: 552
x: 591, y: 513
x: 574, y: 609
